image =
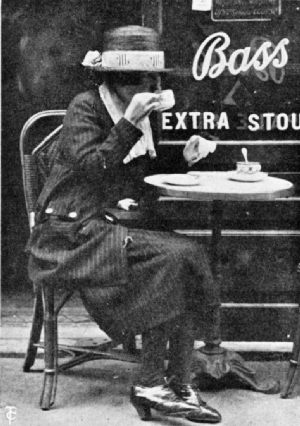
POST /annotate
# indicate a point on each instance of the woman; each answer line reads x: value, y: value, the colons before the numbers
x: 140, y: 280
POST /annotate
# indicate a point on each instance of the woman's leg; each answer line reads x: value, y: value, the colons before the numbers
x: 174, y: 396
x: 180, y: 333
x: 181, y: 344
x: 152, y: 369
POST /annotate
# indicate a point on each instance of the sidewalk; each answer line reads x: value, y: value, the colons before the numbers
x: 96, y: 393
x: 76, y: 328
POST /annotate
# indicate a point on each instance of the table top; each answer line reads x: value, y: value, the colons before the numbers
x: 218, y: 186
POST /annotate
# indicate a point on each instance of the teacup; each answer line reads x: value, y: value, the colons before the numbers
x: 166, y: 99
x: 249, y: 167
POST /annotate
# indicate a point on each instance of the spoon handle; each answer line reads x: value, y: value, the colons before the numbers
x: 245, y: 153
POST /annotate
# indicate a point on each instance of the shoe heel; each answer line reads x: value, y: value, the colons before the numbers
x: 144, y: 411
x: 141, y: 407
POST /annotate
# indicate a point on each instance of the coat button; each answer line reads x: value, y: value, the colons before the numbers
x: 72, y: 215
x: 49, y: 210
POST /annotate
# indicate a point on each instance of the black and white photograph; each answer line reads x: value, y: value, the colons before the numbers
x: 150, y: 211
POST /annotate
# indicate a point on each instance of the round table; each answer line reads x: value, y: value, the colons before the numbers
x: 219, y: 187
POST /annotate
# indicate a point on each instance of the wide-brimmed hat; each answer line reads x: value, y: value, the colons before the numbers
x: 131, y: 49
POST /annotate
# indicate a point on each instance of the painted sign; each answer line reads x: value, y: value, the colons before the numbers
x: 214, y: 56
x: 245, y: 10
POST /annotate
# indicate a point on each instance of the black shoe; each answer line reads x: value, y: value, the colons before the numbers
x: 185, y: 392
x: 192, y: 396
x: 163, y: 399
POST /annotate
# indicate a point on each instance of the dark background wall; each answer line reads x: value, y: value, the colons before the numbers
x: 43, y: 44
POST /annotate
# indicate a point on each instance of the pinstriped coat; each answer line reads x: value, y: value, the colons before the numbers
x: 72, y: 245
x: 87, y: 175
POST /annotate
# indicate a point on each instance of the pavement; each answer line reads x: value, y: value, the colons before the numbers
x: 96, y: 393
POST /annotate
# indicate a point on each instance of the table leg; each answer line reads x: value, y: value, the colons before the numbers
x: 216, y: 367
x: 213, y: 333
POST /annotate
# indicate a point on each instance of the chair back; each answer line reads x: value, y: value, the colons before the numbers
x: 38, y: 144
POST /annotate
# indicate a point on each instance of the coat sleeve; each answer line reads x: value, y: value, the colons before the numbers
x: 88, y: 142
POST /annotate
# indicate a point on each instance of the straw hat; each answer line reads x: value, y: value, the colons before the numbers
x: 130, y: 48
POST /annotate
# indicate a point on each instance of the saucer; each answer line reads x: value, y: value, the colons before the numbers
x: 181, y: 180
x: 247, y: 177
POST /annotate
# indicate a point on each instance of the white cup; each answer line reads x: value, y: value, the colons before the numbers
x: 250, y: 167
x: 166, y: 100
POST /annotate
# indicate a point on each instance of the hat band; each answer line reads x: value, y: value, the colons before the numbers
x: 133, y: 59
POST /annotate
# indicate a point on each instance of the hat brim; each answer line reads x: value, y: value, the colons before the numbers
x: 111, y: 69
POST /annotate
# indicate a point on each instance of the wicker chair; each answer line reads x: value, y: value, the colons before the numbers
x: 47, y: 304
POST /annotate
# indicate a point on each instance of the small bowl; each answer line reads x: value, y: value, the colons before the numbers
x: 250, y: 167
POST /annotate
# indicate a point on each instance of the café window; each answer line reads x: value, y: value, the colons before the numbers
x: 237, y: 68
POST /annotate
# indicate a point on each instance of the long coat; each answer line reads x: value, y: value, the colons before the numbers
x: 87, y: 176
x: 73, y: 245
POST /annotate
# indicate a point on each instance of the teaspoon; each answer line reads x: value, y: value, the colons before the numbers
x: 244, y: 152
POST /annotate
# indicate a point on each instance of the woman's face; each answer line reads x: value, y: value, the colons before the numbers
x: 129, y: 84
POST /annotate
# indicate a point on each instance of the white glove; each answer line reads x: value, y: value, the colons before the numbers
x: 127, y: 204
x: 197, y: 148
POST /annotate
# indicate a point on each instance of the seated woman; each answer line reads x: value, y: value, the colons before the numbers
x: 144, y: 281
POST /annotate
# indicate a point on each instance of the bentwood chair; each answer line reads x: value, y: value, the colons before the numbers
x: 35, y: 156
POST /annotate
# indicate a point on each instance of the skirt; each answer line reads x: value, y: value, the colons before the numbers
x: 130, y: 280
x: 168, y: 275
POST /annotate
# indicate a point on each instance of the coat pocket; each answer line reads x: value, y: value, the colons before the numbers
x: 56, y: 234
x: 65, y: 229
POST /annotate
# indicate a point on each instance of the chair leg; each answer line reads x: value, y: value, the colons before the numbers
x: 50, y: 349
x: 36, y: 328
x: 294, y: 364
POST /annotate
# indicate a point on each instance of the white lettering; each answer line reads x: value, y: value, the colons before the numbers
x: 180, y: 123
x: 208, y: 120
x: 223, y: 121
x: 194, y: 115
x: 268, y: 116
x: 276, y: 74
x: 282, y: 121
x: 295, y: 125
x: 244, y: 53
x: 283, y: 54
x: 166, y: 121
x: 259, y: 64
x: 218, y: 68
x: 239, y: 60
x: 253, y: 119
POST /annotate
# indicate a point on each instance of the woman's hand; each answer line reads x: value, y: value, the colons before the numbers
x: 197, y: 148
x: 141, y: 105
